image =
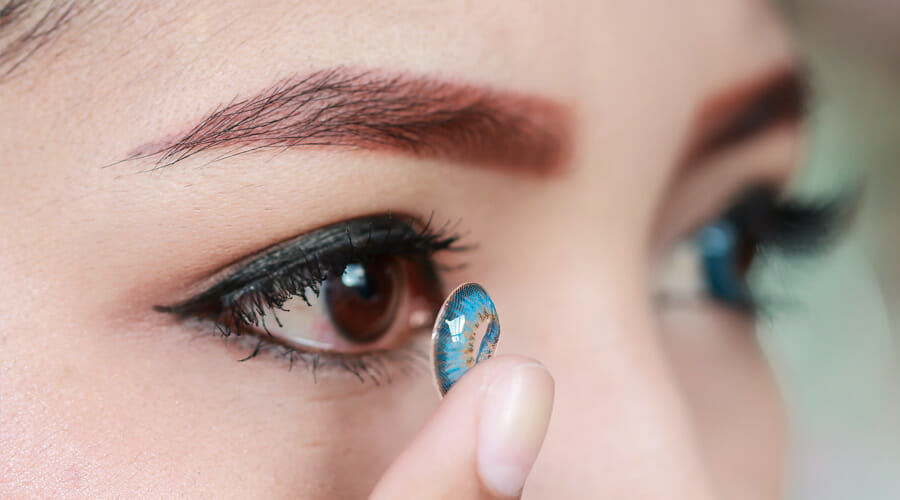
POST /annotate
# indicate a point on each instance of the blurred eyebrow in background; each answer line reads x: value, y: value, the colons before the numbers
x: 742, y: 112
x: 27, y: 26
x: 376, y: 110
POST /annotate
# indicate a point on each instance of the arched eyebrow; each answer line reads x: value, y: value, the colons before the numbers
x: 386, y: 111
x: 27, y: 26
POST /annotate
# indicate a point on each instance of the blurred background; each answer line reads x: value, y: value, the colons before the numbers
x: 830, y: 330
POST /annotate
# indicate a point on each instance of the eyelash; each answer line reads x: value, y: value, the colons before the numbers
x: 289, y: 270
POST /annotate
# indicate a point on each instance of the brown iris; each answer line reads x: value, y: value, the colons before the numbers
x: 362, y: 301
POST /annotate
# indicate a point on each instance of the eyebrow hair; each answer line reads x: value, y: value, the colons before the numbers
x: 383, y: 111
x: 27, y: 26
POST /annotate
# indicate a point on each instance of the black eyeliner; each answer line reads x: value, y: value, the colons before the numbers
x: 297, y: 266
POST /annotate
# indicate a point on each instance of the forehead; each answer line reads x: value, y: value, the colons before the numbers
x: 567, y: 47
x: 631, y: 71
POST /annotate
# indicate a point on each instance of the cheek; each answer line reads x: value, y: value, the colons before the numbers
x: 732, y: 396
x: 175, y: 415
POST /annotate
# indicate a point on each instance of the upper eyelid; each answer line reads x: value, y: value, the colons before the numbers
x: 367, y: 234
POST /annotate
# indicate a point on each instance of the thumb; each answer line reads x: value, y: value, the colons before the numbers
x: 482, y: 440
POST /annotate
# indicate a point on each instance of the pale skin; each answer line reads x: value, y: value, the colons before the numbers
x: 103, y: 397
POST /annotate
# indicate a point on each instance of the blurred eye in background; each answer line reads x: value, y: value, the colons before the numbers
x: 715, y: 262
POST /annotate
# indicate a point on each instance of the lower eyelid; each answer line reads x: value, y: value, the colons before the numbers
x: 376, y: 367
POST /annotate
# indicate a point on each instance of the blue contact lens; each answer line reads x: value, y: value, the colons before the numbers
x: 453, y: 338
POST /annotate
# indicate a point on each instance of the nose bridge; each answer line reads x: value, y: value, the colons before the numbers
x: 616, y: 407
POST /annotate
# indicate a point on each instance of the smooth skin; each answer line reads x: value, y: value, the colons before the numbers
x: 102, y: 397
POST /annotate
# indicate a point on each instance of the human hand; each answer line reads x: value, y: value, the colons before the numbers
x: 483, y: 439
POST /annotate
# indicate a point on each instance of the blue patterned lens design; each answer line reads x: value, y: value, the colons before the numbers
x: 453, y: 338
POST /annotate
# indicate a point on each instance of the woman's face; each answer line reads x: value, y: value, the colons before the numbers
x: 150, y: 150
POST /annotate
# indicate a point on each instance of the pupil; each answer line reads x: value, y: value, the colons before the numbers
x: 363, y: 300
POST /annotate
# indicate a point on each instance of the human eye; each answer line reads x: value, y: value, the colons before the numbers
x: 716, y: 261
x: 344, y: 295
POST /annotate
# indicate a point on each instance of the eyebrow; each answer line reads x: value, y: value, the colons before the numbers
x: 742, y: 112
x: 28, y: 26
x: 420, y: 116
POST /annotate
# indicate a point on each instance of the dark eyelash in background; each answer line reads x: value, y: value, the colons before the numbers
x: 771, y: 222
x: 293, y: 268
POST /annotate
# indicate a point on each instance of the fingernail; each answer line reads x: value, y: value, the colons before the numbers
x: 514, y: 418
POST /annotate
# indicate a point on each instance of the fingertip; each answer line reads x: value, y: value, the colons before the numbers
x: 514, y: 418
